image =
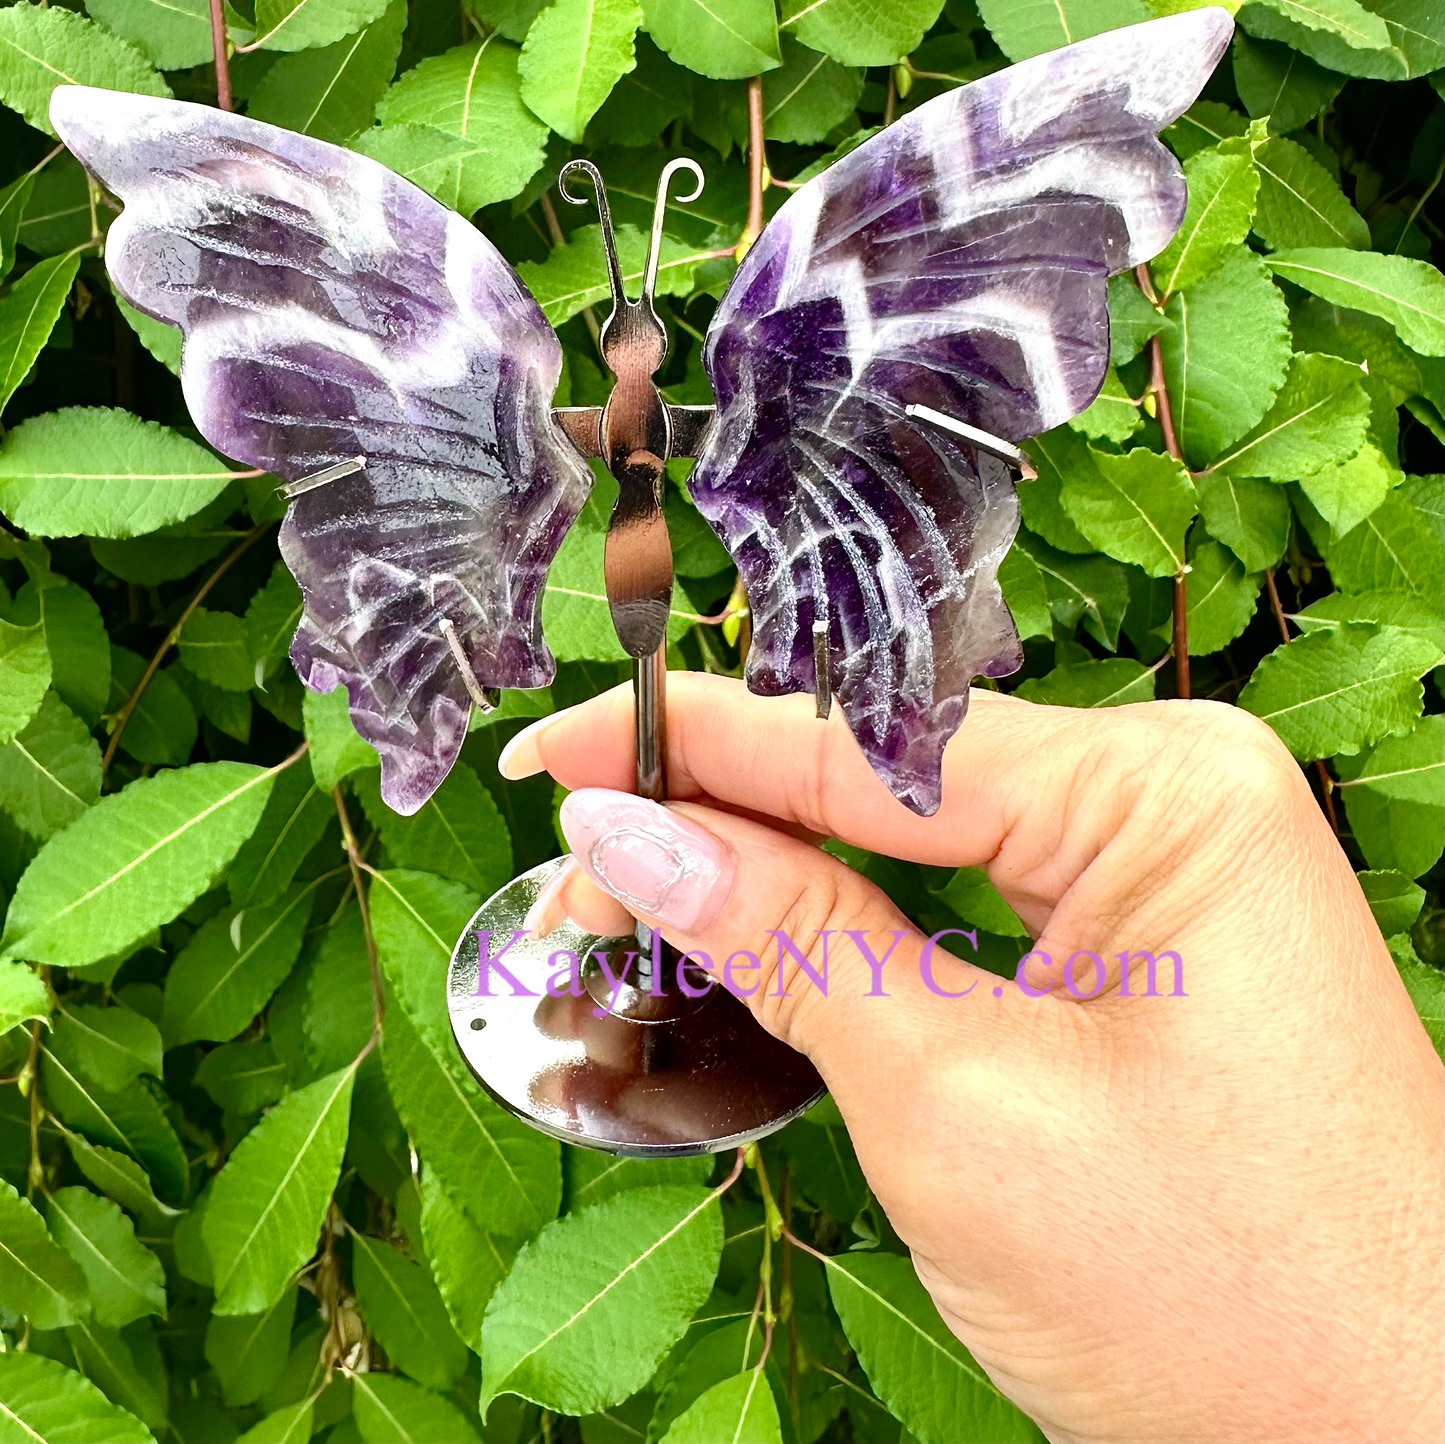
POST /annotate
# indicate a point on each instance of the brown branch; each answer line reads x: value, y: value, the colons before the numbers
x: 218, y: 51
x: 891, y: 103
x: 1327, y: 783
x: 757, y: 166
x: 173, y: 636
x: 357, y: 865
x: 1160, y: 392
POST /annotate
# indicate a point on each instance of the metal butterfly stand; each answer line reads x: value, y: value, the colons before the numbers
x: 669, y: 1063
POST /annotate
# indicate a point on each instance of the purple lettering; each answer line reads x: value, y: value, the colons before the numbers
x: 486, y: 961
x: 925, y: 962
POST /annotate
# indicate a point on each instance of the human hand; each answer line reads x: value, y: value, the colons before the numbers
x: 1210, y: 1217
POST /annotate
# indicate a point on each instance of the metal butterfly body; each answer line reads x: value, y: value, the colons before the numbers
x: 935, y: 294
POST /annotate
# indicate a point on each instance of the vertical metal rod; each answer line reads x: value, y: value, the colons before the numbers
x: 649, y: 703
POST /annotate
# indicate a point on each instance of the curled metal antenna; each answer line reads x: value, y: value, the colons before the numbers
x: 659, y: 214
x: 486, y: 701
x: 604, y: 215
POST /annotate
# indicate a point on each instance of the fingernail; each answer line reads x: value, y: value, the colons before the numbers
x: 520, y: 757
x: 547, y: 913
x: 653, y: 860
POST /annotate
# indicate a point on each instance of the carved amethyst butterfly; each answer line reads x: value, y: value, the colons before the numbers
x: 934, y: 295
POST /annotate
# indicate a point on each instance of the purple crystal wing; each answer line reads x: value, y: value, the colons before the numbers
x: 958, y: 261
x: 332, y: 310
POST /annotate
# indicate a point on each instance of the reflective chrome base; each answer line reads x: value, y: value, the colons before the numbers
x: 650, y: 1073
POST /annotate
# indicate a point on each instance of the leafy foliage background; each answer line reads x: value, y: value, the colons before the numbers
x: 236, y: 1201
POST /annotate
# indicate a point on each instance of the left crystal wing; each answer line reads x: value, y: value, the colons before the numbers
x: 333, y: 310
x: 956, y: 261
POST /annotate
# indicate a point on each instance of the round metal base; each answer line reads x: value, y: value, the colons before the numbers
x: 654, y: 1074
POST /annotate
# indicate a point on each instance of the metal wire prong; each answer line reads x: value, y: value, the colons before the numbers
x: 485, y: 703
x: 292, y: 489
x: 659, y: 214
x: 604, y: 216
x: 822, y: 682
x: 989, y: 442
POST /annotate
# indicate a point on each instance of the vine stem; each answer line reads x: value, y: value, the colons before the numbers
x: 173, y: 636
x: 1171, y: 444
x: 354, y: 860
x: 757, y: 167
x: 218, y: 51
x: 1327, y: 783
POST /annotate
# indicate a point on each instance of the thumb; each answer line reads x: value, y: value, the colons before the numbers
x: 822, y: 957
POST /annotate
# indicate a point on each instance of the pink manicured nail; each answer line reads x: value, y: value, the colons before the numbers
x: 652, y: 860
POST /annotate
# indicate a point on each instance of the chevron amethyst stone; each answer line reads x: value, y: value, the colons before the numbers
x: 957, y: 260
x: 331, y: 310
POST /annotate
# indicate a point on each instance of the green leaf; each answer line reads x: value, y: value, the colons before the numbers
x: 1223, y: 184
x: 1108, y: 683
x: 133, y: 861
x: 740, y: 1408
x: 405, y: 1313
x: 575, y: 52
x: 1409, y: 294
x: 473, y: 94
x: 310, y: 24
x: 597, y: 1298
x: 102, y: 472
x: 115, y: 1045
x: 648, y: 99
x: 271, y: 619
x: 44, y: 1400
x: 1337, y: 691
x: 242, y: 1077
x: 1347, y: 492
x: 457, y: 833
x: 1220, y: 598
x: 1395, y: 799
x: 1023, y: 589
x: 161, y: 340
x: 28, y: 315
x: 1280, y: 83
x: 290, y: 1424
x: 41, y: 48
x: 248, y: 1351
x: 854, y: 32
x: 130, y: 1120
x: 162, y: 727
x: 126, y: 1280
x: 703, y: 1359
x: 337, y: 749
x: 1393, y: 898
x: 13, y: 200
x: 1056, y: 454
x: 808, y: 96
x: 1225, y: 355
x: 1092, y: 589
x: 466, y: 1261
x: 976, y: 900
x: 1023, y: 28
x: 24, y: 677
x: 50, y: 772
x: 1250, y: 517
x: 332, y: 92
x: 108, y: 1360
x: 214, y: 646
x: 723, y: 39
x: 22, y: 995
x: 1132, y: 319
x: 1136, y: 507
x: 227, y: 972
x: 1339, y: 34
x: 1388, y: 609
x: 58, y: 215
x: 505, y: 1174
x: 267, y: 1203
x: 1347, y: 19
x: 1426, y: 988
x: 391, y: 1410
x: 1397, y: 546
x: 122, y: 1178
x: 914, y: 1364
x: 1415, y: 28
x: 574, y: 275
x: 593, y: 1176
x: 227, y: 711
x: 171, y: 34
x: 295, y: 818
x: 76, y: 639
x: 1300, y: 204
x: 1113, y: 415
x: 37, y: 1277
x: 1319, y: 418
